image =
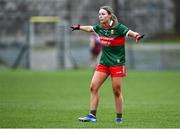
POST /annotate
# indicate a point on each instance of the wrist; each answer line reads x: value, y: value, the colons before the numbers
x: 78, y: 27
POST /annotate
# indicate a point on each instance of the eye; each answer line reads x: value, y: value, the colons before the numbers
x: 102, y: 14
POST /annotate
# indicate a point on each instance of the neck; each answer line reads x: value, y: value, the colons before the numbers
x: 106, y: 25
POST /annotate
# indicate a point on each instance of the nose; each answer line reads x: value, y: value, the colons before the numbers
x: 100, y: 16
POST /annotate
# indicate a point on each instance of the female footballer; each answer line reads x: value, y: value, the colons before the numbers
x: 112, y: 62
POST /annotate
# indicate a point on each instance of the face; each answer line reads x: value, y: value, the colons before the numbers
x: 104, y: 17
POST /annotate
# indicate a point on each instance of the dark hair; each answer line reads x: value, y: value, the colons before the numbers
x: 110, y: 12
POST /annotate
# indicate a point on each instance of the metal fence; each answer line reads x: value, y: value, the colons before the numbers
x: 155, y: 56
x: 150, y: 17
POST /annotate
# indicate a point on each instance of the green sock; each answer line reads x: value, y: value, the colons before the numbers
x: 93, y: 112
x: 119, y: 115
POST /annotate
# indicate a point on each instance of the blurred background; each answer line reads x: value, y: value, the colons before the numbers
x: 35, y: 34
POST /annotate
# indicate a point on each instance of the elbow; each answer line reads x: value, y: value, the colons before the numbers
x: 90, y: 30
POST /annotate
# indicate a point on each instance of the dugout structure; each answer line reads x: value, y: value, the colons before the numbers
x: 49, y: 50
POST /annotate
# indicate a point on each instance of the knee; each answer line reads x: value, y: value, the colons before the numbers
x: 117, y: 91
x: 93, y: 88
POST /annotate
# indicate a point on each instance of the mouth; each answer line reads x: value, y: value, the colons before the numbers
x: 101, y: 19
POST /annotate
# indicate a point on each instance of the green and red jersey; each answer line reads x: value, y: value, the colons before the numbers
x: 113, y: 44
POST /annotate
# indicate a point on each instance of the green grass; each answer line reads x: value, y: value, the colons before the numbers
x: 34, y: 99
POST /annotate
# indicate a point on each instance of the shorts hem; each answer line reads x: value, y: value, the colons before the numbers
x: 118, y: 76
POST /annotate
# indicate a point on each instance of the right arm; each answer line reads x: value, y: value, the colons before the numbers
x: 86, y: 28
x: 83, y: 28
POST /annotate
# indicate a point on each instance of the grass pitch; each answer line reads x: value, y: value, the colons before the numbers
x: 33, y: 99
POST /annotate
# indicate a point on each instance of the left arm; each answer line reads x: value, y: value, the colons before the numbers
x: 125, y: 31
x: 135, y: 35
x: 132, y: 34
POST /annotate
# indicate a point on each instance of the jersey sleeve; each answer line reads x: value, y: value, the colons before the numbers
x: 96, y: 28
x: 123, y: 30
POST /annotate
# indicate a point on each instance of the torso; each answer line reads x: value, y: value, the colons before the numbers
x: 113, y: 44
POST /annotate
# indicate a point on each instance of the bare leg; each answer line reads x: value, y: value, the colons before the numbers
x: 96, y: 82
x: 117, y: 90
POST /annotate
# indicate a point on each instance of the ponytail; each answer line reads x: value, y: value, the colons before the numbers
x: 114, y: 19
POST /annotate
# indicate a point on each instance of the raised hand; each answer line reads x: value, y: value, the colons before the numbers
x: 75, y: 27
x: 138, y: 37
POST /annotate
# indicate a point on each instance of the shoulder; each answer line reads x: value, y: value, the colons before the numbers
x: 120, y: 25
x: 122, y: 29
x: 96, y: 28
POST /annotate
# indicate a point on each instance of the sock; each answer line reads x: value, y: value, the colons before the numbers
x: 119, y: 115
x: 93, y: 112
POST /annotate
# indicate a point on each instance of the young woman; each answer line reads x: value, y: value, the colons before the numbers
x: 112, y: 62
